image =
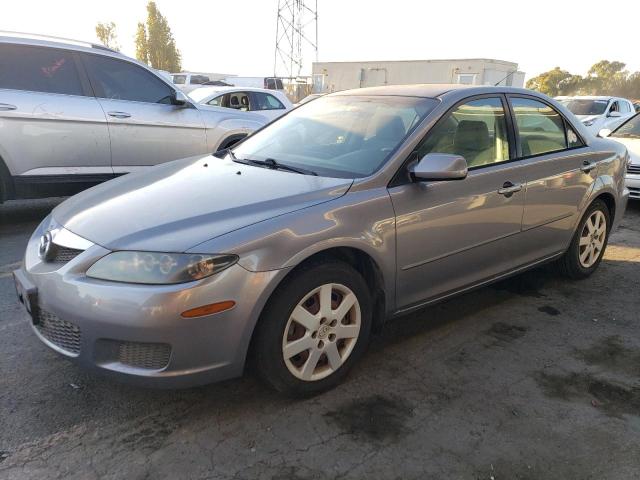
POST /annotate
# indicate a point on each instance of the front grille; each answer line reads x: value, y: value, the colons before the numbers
x: 152, y: 356
x: 61, y: 333
x: 62, y: 254
x: 635, y: 169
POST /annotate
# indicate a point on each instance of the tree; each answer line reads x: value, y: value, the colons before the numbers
x: 603, y: 78
x: 550, y: 82
x: 106, y: 33
x: 155, y: 44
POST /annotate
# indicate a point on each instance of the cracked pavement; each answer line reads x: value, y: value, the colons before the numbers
x: 536, y: 377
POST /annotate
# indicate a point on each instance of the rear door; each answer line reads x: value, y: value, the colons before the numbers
x: 144, y: 127
x: 560, y: 173
x: 52, y: 128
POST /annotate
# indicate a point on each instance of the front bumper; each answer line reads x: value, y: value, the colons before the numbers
x: 136, y: 332
x: 632, y: 182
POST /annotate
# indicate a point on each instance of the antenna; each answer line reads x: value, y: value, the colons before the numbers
x: 296, y: 36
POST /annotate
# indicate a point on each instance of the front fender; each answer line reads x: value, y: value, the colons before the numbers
x: 362, y: 220
x: 216, y: 135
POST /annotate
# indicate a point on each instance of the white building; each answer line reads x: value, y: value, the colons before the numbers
x: 335, y: 76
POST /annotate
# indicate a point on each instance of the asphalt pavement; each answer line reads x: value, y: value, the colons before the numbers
x: 536, y: 377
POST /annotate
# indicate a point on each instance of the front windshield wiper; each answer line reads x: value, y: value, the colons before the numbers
x: 271, y: 163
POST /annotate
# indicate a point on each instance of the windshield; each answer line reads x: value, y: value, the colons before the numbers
x: 344, y: 136
x: 629, y: 129
x: 586, y: 107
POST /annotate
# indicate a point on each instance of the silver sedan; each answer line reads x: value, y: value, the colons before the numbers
x: 293, y: 246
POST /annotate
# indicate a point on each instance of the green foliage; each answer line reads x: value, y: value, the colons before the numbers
x: 155, y: 44
x: 603, y: 78
x: 106, y: 33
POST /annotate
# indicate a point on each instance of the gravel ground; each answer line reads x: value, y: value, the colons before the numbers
x: 536, y: 377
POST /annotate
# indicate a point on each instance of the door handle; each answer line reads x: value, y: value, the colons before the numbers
x: 119, y: 114
x: 7, y: 106
x: 509, y: 189
x: 588, y: 166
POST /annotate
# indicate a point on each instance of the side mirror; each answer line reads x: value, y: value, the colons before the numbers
x: 614, y: 114
x: 179, y: 98
x: 604, y: 133
x: 439, y: 166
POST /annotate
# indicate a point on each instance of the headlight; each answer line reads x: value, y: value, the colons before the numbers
x: 158, y: 268
x: 588, y: 123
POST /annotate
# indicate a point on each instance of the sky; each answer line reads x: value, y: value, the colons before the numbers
x: 238, y: 37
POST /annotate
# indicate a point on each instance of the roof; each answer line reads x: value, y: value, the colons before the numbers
x: 50, y: 41
x: 437, y: 60
x: 429, y: 90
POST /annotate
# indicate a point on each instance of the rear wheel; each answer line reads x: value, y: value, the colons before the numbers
x: 589, y: 242
x: 314, y: 329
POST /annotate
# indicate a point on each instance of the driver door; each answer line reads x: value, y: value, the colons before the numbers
x: 144, y: 127
x: 456, y: 233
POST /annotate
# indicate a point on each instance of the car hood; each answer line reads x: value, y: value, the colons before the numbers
x: 587, y: 118
x: 177, y: 205
x: 633, y: 147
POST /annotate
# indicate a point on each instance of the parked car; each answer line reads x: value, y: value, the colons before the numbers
x: 268, y: 83
x: 269, y: 103
x: 300, y: 240
x: 75, y: 114
x: 188, y: 81
x: 597, y: 113
x: 628, y: 134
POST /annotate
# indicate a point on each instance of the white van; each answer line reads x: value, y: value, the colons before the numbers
x: 269, y: 83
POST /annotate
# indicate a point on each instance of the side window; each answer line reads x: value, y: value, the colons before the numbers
x: 121, y: 80
x: 477, y: 130
x: 270, y: 83
x: 573, y: 140
x: 179, y: 79
x: 540, y: 127
x: 39, y: 69
x: 614, y: 107
x: 624, y: 106
x: 216, y: 102
x: 264, y: 101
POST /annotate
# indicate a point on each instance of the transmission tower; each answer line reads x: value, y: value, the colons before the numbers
x: 296, y: 36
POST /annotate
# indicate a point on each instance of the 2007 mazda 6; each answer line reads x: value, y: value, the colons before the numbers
x: 294, y: 245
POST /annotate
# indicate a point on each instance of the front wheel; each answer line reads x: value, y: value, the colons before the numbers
x: 589, y: 242
x: 313, y: 330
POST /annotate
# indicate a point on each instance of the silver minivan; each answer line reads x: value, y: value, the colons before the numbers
x: 73, y: 114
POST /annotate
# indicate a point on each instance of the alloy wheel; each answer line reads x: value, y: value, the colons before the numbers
x: 321, y: 332
x: 592, y: 238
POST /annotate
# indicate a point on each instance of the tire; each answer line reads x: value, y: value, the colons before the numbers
x: 577, y: 263
x: 327, y: 333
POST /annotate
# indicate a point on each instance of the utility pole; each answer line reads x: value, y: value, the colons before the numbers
x: 296, y: 36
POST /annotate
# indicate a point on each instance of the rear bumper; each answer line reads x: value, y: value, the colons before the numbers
x: 633, y: 184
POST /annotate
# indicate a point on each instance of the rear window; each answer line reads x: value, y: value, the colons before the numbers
x: 179, y: 79
x: 39, y: 69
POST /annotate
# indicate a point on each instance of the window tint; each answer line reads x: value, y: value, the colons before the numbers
x: 270, y: 83
x: 477, y: 130
x: 540, y: 127
x: 264, y: 101
x: 38, y: 69
x: 121, y: 80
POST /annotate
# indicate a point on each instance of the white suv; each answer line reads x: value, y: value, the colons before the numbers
x: 597, y: 113
x: 73, y: 114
